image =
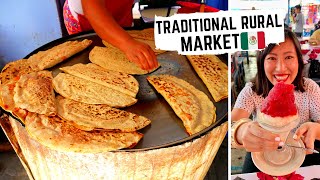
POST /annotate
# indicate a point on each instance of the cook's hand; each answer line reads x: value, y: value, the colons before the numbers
x: 310, y: 131
x: 256, y: 139
x: 140, y: 53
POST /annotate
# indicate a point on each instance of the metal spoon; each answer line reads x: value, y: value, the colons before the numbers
x: 312, y: 150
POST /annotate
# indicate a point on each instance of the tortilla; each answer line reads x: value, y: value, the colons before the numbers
x: 20, y: 114
x: 92, y: 116
x: 85, y: 91
x: 60, y: 135
x: 7, y: 93
x: 115, y: 80
x: 15, y: 69
x: 112, y: 58
x: 148, y: 42
x: 34, y: 92
x: 7, y: 101
x: 192, y: 106
x: 214, y: 74
x: 147, y: 34
x: 49, y: 58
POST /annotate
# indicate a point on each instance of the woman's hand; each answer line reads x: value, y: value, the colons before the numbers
x: 256, y: 139
x: 109, y: 30
x: 310, y: 131
x: 140, y: 53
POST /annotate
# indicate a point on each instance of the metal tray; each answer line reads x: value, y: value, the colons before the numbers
x: 166, y: 128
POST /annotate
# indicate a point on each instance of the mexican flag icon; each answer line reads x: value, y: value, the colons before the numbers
x: 252, y: 40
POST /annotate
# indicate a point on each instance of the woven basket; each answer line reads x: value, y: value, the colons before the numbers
x: 190, y: 160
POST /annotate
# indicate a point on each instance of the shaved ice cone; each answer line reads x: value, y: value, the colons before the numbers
x: 278, y: 110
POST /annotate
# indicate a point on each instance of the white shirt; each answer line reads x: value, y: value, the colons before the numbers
x: 75, y: 7
x: 299, y: 23
x: 308, y: 102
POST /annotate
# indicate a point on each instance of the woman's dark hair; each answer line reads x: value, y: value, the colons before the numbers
x: 261, y: 84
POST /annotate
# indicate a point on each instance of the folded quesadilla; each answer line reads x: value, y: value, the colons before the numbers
x: 192, y: 106
x: 49, y: 58
x: 114, y: 59
x: 115, y: 80
x: 15, y: 69
x: 61, y: 135
x: 34, y: 92
x: 96, y: 116
x: 213, y: 72
x: 85, y: 91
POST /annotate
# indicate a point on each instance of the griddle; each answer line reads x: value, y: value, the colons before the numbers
x: 166, y: 128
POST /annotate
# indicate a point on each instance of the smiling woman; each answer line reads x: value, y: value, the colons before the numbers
x: 276, y: 63
x: 282, y: 66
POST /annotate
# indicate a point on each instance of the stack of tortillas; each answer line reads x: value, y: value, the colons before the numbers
x: 213, y: 72
x: 191, y: 105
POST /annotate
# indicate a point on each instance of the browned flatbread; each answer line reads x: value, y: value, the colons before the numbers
x: 34, y: 92
x: 92, y: 116
x: 85, y: 91
x: 49, y: 58
x: 113, y: 59
x: 115, y: 80
x: 7, y: 101
x: 21, y: 114
x: 7, y: 93
x: 15, y: 69
x: 213, y: 72
x: 60, y: 135
x: 147, y: 34
x: 192, y: 106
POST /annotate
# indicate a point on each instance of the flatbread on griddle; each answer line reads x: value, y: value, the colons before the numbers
x: 85, y: 91
x: 149, y: 42
x: 34, y: 92
x: 92, y: 116
x: 147, y: 34
x: 60, y: 135
x: 115, y: 80
x: 114, y: 59
x: 7, y: 93
x: 152, y: 45
x: 49, y: 58
x: 7, y: 101
x: 192, y: 106
x: 15, y: 69
x: 213, y: 72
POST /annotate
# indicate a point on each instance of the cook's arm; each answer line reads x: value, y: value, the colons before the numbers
x: 109, y: 30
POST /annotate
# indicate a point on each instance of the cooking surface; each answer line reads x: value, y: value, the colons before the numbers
x: 166, y: 128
